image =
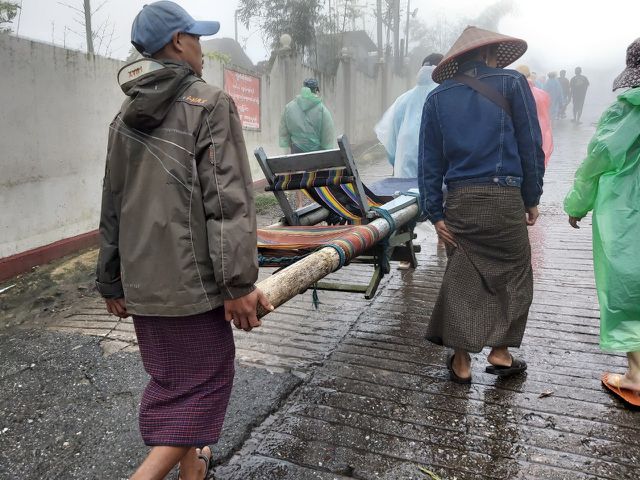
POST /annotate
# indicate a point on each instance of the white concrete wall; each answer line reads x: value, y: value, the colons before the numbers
x: 56, y: 106
x: 55, y: 109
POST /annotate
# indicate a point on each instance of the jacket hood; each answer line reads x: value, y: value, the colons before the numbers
x: 424, y: 75
x: 632, y: 96
x: 152, y: 86
x: 307, y: 100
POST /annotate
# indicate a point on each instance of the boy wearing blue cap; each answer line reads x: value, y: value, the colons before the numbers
x: 178, y: 237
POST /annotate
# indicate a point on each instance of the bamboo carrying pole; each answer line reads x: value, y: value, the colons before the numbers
x: 295, y: 279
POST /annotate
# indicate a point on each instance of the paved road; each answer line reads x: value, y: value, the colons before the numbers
x: 350, y: 390
x: 380, y: 405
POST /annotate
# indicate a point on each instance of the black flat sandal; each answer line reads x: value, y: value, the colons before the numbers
x: 453, y: 376
x: 517, y: 366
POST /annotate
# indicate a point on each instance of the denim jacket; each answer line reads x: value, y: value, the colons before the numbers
x: 466, y: 138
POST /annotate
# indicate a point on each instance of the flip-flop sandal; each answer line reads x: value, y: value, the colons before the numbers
x: 517, y: 366
x: 207, y: 463
x: 612, y: 382
x: 453, y: 376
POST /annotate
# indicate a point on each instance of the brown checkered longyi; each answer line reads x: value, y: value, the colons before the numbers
x: 487, y: 287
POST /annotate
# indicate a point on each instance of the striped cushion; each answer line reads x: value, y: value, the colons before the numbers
x: 278, y: 246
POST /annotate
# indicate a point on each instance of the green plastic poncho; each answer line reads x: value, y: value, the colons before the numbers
x: 307, y: 124
x: 608, y: 182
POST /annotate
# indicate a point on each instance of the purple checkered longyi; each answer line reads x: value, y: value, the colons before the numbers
x: 191, y: 363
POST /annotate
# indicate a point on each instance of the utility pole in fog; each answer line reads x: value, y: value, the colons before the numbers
x: 94, y: 37
x: 379, y: 27
x: 406, y: 35
x: 87, y: 26
x: 396, y: 28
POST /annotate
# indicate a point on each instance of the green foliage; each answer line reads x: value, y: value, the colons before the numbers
x: 265, y: 202
x: 8, y: 11
x: 432, y: 475
x: 220, y: 57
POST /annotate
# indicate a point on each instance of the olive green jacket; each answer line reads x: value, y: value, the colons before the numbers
x: 178, y: 224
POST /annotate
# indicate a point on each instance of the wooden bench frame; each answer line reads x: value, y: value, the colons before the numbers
x: 398, y: 247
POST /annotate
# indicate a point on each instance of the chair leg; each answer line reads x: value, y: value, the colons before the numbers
x: 374, y: 283
x: 413, y: 261
x: 384, y: 260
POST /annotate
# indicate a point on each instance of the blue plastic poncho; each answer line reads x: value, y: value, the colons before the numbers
x: 554, y: 89
x: 608, y: 182
x: 399, y: 128
x: 307, y: 124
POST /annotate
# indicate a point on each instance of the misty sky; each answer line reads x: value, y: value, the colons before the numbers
x: 560, y: 33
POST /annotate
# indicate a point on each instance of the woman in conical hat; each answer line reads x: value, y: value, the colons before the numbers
x: 480, y: 135
x: 507, y: 50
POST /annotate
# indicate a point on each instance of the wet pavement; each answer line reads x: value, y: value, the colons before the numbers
x: 350, y: 390
x: 380, y: 405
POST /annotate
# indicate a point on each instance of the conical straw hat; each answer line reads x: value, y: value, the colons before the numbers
x: 509, y: 50
x: 630, y: 77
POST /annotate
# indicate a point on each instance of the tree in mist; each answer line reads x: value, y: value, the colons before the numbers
x: 306, y: 20
x: 98, y: 39
x: 490, y: 17
x: 133, y: 54
x: 274, y: 18
x: 8, y: 11
x: 442, y: 31
x: 336, y: 18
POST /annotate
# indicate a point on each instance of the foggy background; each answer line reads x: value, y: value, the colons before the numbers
x: 559, y: 33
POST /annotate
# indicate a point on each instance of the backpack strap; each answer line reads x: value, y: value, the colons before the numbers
x: 485, y: 90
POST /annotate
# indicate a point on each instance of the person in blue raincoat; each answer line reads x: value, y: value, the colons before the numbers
x: 399, y: 128
x: 554, y: 88
x: 608, y: 182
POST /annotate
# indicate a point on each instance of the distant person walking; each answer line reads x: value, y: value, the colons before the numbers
x: 480, y: 135
x: 399, y: 128
x: 554, y: 89
x: 566, y: 92
x: 178, y: 238
x: 578, y: 87
x: 306, y: 124
x: 607, y: 182
x: 543, y: 104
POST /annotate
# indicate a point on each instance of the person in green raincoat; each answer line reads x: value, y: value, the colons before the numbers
x: 306, y: 124
x: 608, y: 182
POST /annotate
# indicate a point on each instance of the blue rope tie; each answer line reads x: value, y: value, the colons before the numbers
x: 341, y: 253
x: 412, y: 224
x: 315, y: 299
x: 384, y: 213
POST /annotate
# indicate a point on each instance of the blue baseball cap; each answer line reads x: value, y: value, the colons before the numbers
x: 156, y: 23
